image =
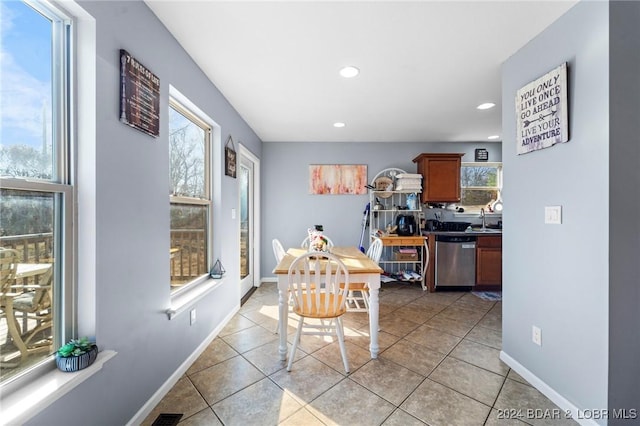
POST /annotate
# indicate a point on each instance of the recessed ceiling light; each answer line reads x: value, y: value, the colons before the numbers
x: 486, y: 105
x: 339, y: 124
x: 350, y: 71
x: 493, y: 137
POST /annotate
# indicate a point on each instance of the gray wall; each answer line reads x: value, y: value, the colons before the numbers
x: 624, y: 205
x: 556, y: 276
x: 132, y: 223
x: 288, y: 209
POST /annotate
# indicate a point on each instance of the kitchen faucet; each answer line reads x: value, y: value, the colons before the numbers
x: 483, y: 220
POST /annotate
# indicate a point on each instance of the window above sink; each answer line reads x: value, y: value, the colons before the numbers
x: 480, y: 185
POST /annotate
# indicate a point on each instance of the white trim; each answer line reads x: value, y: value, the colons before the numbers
x: 268, y: 280
x: 183, y: 300
x: 26, y: 402
x: 244, y: 151
x: 155, y: 399
x: 546, y: 390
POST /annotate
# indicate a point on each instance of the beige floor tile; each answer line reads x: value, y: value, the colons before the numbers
x: 492, y: 321
x: 397, y: 325
x: 183, y: 398
x: 302, y: 417
x: 449, y: 325
x: 463, y: 313
x: 402, y: 418
x: 237, y: 323
x: 223, y: 379
x: 480, y: 355
x: 384, y: 339
x: 307, y: 379
x: 249, y: 338
x: 265, y: 358
x: 217, y: 351
x: 387, y: 379
x: 331, y: 356
x: 530, y: 405
x: 418, y: 313
x: 348, y: 403
x: 413, y: 356
x: 486, y: 336
x: 472, y: 381
x: 262, y: 403
x: 205, y: 417
x: 433, y: 339
x: 518, y: 378
x: 436, y: 404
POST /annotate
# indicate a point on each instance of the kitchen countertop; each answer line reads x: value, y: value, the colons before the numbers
x: 465, y: 233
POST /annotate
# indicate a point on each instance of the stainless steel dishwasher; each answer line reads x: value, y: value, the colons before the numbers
x: 455, y: 260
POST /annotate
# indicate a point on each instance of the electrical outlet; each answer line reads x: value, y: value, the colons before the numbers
x: 536, y: 335
x: 193, y: 316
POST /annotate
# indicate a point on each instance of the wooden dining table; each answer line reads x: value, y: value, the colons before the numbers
x: 361, y: 269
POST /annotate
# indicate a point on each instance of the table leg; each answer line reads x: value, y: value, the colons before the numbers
x: 283, y: 315
x: 374, y: 311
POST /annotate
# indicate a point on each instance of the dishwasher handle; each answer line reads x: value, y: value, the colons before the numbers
x: 456, y: 239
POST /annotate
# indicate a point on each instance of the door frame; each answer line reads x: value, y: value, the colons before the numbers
x: 243, y: 151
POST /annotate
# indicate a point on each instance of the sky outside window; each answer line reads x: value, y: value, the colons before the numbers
x: 25, y: 91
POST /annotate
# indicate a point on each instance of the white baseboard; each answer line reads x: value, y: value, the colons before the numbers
x: 269, y: 280
x: 547, y: 390
x: 146, y: 409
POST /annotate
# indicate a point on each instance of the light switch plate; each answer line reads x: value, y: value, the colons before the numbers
x: 553, y: 215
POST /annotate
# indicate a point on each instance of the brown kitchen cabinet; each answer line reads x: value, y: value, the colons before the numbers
x: 440, y: 177
x: 489, y: 263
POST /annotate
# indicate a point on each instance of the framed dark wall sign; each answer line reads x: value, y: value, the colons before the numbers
x: 230, y: 158
x: 139, y: 95
x: 542, y: 111
x: 482, y: 154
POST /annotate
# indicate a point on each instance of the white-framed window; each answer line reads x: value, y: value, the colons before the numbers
x: 36, y: 186
x: 190, y: 198
x: 480, y: 184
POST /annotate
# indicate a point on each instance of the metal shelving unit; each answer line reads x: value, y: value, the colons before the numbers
x: 385, y: 205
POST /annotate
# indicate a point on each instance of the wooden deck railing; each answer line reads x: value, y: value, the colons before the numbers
x: 190, y: 257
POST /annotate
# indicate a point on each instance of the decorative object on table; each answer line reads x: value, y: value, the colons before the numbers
x: 340, y: 179
x: 230, y: 158
x: 317, y: 241
x: 542, y: 111
x: 139, y: 96
x: 217, y: 271
x: 76, y: 354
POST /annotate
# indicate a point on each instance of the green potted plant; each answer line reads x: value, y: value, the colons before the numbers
x: 76, y: 354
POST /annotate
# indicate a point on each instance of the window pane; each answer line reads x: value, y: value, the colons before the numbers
x: 475, y: 199
x: 188, y: 243
x: 187, y: 156
x: 25, y: 93
x: 28, y: 220
x: 478, y: 176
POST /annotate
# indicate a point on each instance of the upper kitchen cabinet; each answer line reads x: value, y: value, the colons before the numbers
x: 440, y: 177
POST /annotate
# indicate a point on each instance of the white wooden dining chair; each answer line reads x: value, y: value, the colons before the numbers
x: 358, y: 297
x: 318, y: 284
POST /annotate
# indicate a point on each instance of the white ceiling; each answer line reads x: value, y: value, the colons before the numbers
x: 425, y: 65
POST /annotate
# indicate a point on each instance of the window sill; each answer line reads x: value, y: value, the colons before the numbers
x: 183, y: 300
x: 27, y: 401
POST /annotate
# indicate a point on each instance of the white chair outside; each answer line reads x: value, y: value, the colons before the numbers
x: 358, y: 297
x: 315, y: 281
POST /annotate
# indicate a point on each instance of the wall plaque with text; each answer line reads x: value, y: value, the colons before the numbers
x: 542, y: 111
x: 139, y: 95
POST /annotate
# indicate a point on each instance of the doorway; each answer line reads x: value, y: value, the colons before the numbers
x: 249, y: 200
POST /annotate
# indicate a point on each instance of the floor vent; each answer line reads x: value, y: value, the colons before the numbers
x: 167, y: 419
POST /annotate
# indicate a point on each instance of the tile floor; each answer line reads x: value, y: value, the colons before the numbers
x: 438, y: 365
